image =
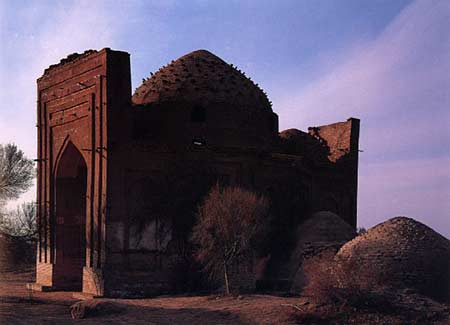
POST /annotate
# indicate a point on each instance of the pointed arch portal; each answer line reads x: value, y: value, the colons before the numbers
x: 70, y: 219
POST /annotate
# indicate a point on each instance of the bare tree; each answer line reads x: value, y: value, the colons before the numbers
x: 16, y: 176
x: 231, y: 221
x: 16, y: 172
x: 21, y: 222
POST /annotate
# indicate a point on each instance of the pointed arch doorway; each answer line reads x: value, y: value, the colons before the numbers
x: 70, y: 219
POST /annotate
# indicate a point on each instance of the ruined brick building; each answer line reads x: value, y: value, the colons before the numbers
x: 120, y: 175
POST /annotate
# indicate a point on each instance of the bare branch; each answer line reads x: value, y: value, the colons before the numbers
x: 230, y: 220
x: 16, y: 172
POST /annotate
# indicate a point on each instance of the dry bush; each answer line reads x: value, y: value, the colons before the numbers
x: 344, y: 291
x: 321, y: 284
x: 329, y: 281
x: 231, y: 222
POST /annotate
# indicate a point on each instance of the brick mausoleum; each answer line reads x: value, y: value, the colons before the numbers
x: 120, y: 175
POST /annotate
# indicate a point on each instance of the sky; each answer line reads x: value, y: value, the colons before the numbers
x: 386, y: 62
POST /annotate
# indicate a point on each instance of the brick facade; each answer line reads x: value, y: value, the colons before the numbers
x: 136, y: 167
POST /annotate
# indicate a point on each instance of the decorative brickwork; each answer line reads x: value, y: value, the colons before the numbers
x: 120, y: 176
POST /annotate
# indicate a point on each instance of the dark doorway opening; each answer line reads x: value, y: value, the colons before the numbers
x: 70, y: 220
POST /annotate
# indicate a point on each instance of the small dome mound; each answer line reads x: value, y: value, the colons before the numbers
x: 293, y: 134
x: 325, y: 227
x: 203, y: 78
x: 401, y: 253
x: 325, y: 230
x: 297, y: 142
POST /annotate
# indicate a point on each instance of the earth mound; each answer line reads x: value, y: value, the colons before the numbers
x: 324, y: 231
x: 400, y: 253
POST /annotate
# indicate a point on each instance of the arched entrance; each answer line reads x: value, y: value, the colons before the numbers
x: 70, y: 219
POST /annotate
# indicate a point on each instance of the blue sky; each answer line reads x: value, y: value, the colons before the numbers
x: 384, y: 61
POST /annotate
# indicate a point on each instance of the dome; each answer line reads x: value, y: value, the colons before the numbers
x: 324, y: 230
x: 401, y: 253
x: 297, y: 142
x: 325, y: 227
x: 293, y: 134
x: 203, y: 78
x: 199, y: 98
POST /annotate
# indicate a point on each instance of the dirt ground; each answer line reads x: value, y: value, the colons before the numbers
x: 20, y: 306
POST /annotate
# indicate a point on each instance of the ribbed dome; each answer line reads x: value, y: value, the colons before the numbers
x: 201, y: 77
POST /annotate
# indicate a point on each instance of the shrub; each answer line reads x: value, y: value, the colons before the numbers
x: 329, y: 281
x: 321, y: 284
x: 231, y: 222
